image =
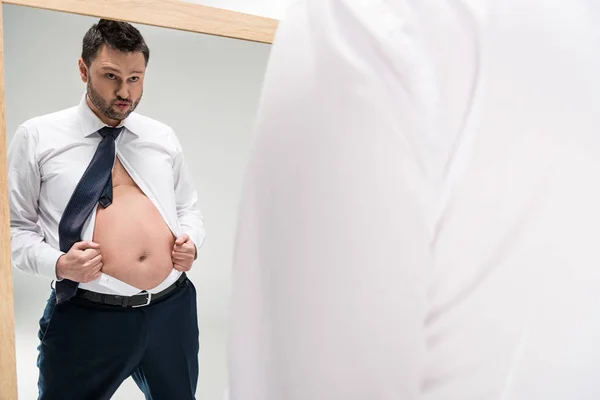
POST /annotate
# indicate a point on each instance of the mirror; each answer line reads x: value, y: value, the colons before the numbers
x: 207, y: 89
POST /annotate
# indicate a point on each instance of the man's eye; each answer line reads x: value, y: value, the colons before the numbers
x: 110, y: 76
x: 134, y: 78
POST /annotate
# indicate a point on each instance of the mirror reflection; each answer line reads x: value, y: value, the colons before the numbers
x: 125, y: 168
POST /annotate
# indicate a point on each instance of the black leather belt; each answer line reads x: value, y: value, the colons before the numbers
x: 137, y: 300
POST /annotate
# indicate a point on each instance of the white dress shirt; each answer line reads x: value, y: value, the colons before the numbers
x: 420, y: 214
x: 46, y: 159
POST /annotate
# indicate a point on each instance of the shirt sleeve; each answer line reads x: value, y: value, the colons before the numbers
x: 30, y: 252
x: 191, y: 219
x: 333, y: 239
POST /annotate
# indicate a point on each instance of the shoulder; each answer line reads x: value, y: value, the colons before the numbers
x: 146, y: 125
x: 49, y: 122
x: 56, y: 118
x: 37, y: 132
x: 151, y: 129
x: 46, y: 125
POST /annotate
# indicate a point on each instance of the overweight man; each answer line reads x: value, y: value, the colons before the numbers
x: 102, y: 204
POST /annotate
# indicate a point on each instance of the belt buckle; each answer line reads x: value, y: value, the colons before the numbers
x: 147, y: 301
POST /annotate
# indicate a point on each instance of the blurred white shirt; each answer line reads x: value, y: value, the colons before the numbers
x: 420, y: 214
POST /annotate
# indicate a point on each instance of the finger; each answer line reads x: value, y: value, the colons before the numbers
x: 85, y: 256
x: 86, y: 244
x: 96, y: 272
x: 182, y: 239
x: 95, y: 276
x: 180, y: 267
x: 186, y: 252
x: 181, y: 256
x: 88, y: 277
x: 177, y: 267
x: 183, y: 250
x: 93, y: 262
x: 91, y: 253
x: 188, y: 245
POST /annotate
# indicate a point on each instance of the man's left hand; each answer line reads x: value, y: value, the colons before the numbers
x: 184, y: 253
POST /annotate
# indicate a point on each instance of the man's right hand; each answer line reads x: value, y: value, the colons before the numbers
x: 82, y: 263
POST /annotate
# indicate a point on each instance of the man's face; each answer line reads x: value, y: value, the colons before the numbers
x: 115, y: 83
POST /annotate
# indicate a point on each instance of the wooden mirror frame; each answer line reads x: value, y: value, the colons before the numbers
x: 172, y: 14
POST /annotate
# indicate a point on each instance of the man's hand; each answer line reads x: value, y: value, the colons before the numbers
x: 82, y: 263
x: 184, y: 252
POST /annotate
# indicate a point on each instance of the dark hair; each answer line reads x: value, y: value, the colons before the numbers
x: 120, y: 36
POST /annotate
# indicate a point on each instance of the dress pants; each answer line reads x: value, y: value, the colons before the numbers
x: 87, y: 350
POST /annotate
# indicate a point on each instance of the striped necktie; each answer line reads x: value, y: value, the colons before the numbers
x: 94, y: 187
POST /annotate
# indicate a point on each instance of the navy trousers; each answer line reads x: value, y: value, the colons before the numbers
x: 87, y: 350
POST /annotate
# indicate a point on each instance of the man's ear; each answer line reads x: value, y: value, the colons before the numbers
x: 83, y: 71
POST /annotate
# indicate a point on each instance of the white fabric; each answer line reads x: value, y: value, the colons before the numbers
x: 420, y: 214
x: 46, y: 159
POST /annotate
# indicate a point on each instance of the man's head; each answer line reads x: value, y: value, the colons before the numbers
x: 113, y: 62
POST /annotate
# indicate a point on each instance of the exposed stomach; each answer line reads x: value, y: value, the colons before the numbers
x: 135, y: 242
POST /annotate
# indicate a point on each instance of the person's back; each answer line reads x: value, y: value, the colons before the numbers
x: 420, y: 212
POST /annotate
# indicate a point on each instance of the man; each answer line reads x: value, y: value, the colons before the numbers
x: 102, y: 204
x: 421, y: 210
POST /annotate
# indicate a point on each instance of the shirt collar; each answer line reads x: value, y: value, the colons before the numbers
x: 90, y: 123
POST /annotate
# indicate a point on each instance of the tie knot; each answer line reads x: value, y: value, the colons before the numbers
x: 109, y: 131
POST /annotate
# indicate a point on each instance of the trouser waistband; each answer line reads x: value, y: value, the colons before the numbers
x: 138, y: 300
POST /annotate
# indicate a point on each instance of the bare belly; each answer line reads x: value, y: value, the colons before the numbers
x: 135, y: 242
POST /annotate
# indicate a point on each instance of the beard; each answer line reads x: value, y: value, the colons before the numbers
x: 107, y: 108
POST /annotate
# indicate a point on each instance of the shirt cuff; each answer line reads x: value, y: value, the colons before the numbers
x: 46, y: 262
x: 196, y: 237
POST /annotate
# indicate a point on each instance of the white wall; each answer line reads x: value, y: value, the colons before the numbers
x: 207, y: 89
x: 265, y: 8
